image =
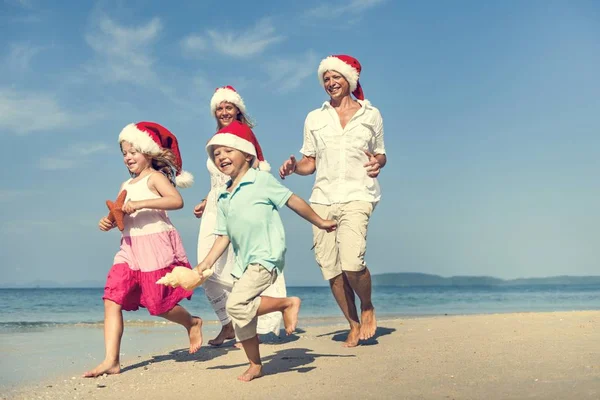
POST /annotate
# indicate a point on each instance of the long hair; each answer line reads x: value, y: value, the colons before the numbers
x: 243, y: 118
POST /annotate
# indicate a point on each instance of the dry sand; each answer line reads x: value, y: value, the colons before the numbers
x: 499, y: 356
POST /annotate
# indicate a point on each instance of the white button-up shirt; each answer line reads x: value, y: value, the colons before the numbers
x: 340, y: 153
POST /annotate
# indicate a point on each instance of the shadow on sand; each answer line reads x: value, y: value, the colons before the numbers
x: 342, y: 335
x: 288, y: 360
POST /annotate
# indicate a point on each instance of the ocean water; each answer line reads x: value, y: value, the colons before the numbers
x: 50, y: 332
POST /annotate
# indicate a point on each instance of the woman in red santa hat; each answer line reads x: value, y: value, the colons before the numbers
x: 226, y: 105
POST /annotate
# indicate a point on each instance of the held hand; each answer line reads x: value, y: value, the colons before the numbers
x: 373, y: 167
x: 288, y: 167
x: 105, y: 224
x: 328, y: 225
x: 199, y: 209
x: 131, y: 206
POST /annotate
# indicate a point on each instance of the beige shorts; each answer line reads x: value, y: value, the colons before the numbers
x: 244, y: 300
x: 343, y: 249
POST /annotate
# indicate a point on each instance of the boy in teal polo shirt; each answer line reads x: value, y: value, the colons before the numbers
x: 248, y: 217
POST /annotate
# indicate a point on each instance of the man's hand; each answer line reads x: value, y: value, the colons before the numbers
x: 373, y: 167
x: 199, y: 209
x: 288, y: 167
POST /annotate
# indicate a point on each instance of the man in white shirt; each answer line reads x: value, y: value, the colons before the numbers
x: 343, y: 143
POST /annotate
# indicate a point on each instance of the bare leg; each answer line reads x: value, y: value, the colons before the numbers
x: 344, y: 295
x: 193, y: 325
x: 113, y: 332
x: 226, y: 333
x: 289, y: 306
x: 253, y: 354
x: 361, y: 284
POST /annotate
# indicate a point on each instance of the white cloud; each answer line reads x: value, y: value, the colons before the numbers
x: 194, y: 44
x: 124, y: 52
x: 20, y: 55
x: 286, y: 74
x: 354, y: 7
x: 23, y: 113
x: 74, y: 155
x: 248, y: 43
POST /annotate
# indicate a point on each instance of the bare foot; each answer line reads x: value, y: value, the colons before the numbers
x: 226, y: 333
x: 195, y: 334
x: 255, y: 371
x: 353, y: 335
x: 290, y: 315
x: 368, y: 324
x: 104, y: 368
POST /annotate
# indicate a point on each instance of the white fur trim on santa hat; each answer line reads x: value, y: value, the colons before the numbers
x: 230, y: 140
x: 332, y: 63
x: 184, y: 179
x: 228, y: 95
x: 139, y: 139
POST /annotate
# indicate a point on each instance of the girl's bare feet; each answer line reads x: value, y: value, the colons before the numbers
x: 106, y: 367
x: 255, y: 371
x: 226, y: 333
x: 290, y: 315
x: 195, y: 334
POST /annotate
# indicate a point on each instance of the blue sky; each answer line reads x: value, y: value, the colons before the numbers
x: 491, y: 114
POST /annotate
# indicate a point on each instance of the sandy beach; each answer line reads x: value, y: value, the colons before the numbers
x: 499, y: 356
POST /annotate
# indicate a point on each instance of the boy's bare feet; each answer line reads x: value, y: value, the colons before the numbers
x: 368, y: 324
x: 195, y: 334
x: 255, y: 371
x: 290, y: 315
x: 226, y: 333
x: 353, y: 335
x: 105, y: 367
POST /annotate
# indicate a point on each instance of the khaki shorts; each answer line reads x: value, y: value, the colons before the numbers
x: 244, y: 300
x: 344, y: 249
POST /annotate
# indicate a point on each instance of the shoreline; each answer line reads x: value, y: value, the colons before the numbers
x: 503, y: 355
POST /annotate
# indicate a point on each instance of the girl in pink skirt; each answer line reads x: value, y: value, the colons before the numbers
x: 150, y: 246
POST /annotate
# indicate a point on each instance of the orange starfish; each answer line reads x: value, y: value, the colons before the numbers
x: 115, y: 210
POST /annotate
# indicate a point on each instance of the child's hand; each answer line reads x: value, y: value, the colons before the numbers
x: 131, y: 206
x: 328, y: 225
x: 201, y: 267
x: 199, y: 209
x: 105, y: 224
x: 373, y: 167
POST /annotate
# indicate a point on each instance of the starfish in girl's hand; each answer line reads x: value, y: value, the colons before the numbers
x: 115, y: 210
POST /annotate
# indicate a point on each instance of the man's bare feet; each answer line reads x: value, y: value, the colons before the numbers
x: 368, y: 324
x: 105, y: 367
x: 195, y: 334
x: 255, y: 371
x: 353, y: 335
x: 290, y: 315
x: 226, y: 333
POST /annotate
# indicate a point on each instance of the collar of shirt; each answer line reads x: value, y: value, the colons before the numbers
x: 249, y: 177
x: 364, y: 104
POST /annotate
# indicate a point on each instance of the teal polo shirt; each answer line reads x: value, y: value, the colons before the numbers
x: 249, y: 216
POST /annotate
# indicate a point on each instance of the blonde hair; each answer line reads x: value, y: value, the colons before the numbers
x: 164, y: 162
x: 243, y: 118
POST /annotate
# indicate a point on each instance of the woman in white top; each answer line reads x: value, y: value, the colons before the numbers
x: 227, y: 105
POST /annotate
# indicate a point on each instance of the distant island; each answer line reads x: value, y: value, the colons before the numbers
x: 420, y: 279
x: 396, y: 279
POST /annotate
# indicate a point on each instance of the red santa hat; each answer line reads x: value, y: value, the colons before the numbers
x: 151, y: 138
x: 228, y: 94
x: 348, y: 66
x: 238, y: 136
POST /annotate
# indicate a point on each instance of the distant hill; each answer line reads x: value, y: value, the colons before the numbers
x: 419, y: 279
x: 52, y: 285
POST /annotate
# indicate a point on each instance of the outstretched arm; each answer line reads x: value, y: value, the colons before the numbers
x: 218, y: 248
x: 302, y: 208
x: 306, y: 166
